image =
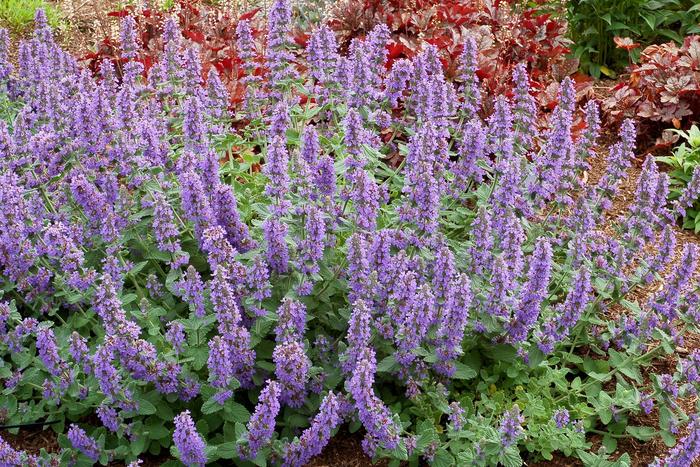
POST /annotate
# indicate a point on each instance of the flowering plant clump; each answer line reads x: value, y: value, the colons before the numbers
x: 161, y: 295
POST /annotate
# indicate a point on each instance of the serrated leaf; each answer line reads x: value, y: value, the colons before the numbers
x: 146, y: 408
x: 235, y: 412
x: 462, y: 371
x: 211, y: 406
x: 387, y: 365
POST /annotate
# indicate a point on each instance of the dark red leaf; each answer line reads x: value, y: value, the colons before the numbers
x: 249, y: 14
x: 195, y: 36
x: 395, y: 50
x: 301, y: 38
x: 118, y: 14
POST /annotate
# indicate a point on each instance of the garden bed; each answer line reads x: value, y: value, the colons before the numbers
x: 256, y: 244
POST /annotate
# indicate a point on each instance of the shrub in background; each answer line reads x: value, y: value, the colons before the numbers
x: 455, y: 309
x: 18, y: 15
x: 664, y: 88
x: 593, y: 25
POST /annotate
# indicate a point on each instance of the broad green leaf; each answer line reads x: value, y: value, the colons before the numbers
x: 644, y: 433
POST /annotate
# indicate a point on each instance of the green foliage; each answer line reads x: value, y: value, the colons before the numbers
x: 593, y: 24
x: 682, y: 162
x: 18, y: 15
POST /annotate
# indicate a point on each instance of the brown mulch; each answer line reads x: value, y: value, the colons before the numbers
x: 87, y: 23
x: 344, y: 450
x: 32, y: 440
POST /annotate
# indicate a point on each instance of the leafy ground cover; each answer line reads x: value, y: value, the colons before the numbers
x: 682, y: 161
x: 362, y: 251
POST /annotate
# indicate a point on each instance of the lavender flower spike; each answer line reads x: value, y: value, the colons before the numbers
x: 292, y: 370
x: 314, y: 438
x: 84, y: 443
x: 470, y: 87
x: 188, y: 442
x: 261, y: 426
x: 511, y: 429
x: 374, y: 415
x: 524, y: 111
x: 534, y: 292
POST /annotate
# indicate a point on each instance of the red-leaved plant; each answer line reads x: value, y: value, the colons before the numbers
x: 664, y: 88
x: 507, y: 34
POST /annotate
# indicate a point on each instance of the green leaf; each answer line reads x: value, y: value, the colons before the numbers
x: 610, y: 443
x: 387, y: 365
x: 462, y: 371
x: 138, y: 445
x: 443, y: 459
x: 211, y: 406
x: 227, y: 450
x: 501, y: 352
x: 137, y: 268
x: 623, y: 461
x: 235, y: 412
x: 643, y: 433
x: 669, y: 438
x: 128, y: 298
x: 511, y: 457
x: 146, y: 408
x: 602, y: 377
x: 156, y: 429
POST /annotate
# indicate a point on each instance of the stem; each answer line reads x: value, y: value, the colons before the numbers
x: 612, y: 435
x: 398, y: 169
x: 334, y: 277
x: 492, y: 187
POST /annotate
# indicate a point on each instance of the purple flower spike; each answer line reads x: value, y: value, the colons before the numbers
x: 322, y: 55
x: 191, y: 289
x: 128, y: 38
x: 511, y: 427
x: 84, y: 443
x: 261, y: 426
x: 374, y: 415
x: 561, y: 418
x: 48, y: 351
x: 291, y: 369
x: 188, y: 442
x: 316, y: 437
x: 533, y: 293
x: 470, y: 87
x: 524, y: 111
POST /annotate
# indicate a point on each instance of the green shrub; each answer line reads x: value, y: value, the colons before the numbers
x: 18, y: 15
x: 593, y: 24
x: 682, y: 162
